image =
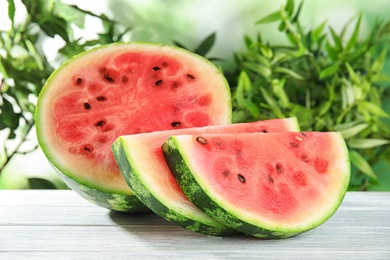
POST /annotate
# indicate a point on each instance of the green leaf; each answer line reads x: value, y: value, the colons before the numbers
x: 273, y: 17
x: 243, y: 86
x: 372, y: 108
x: 367, y: 143
x: 8, y: 118
x: 289, y: 8
x: 40, y: 183
x: 260, y: 69
x: 331, y: 51
x: 282, y: 26
x: 303, y: 114
x: 354, y: 37
x: 273, y: 105
x: 326, y: 105
x: 352, y: 74
x: 296, y: 16
x: 329, y: 71
x: 377, y: 66
x: 70, y: 13
x: 280, y: 93
x: 317, y: 32
x: 180, y: 45
x: 353, y: 130
x: 280, y: 57
x: 361, y: 163
x: 337, y: 40
x: 345, y: 126
x: 34, y: 54
x: 53, y: 25
x: 11, y: 11
x: 248, y: 41
x: 289, y: 72
x: 206, y: 45
x: 243, y: 96
x: 347, y: 94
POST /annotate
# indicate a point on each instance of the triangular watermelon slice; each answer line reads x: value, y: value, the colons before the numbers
x: 143, y: 166
x: 271, y: 185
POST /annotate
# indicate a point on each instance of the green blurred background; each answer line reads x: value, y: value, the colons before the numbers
x: 189, y: 22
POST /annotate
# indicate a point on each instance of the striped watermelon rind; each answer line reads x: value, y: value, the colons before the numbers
x: 201, y: 188
x: 147, y: 174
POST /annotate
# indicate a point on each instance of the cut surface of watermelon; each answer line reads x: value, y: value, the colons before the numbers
x: 143, y: 166
x: 121, y: 89
x: 267, y: 185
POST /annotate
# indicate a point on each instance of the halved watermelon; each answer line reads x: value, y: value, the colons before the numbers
x: 267, y: 185
x: 143, y: 166
x: 121, y: 89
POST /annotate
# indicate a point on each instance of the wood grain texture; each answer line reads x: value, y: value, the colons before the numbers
x: 47, y: 224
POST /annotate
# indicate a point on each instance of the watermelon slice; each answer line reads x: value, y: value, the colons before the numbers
x: 143, y: 166
x: 121, y: 89
x: 272, y: 185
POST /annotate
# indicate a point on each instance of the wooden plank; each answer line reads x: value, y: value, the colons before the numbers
x: 180, y: 255
x: 42, y: 198
x: 62, y: 225
x: 141, y: 239
x: 67, y: 208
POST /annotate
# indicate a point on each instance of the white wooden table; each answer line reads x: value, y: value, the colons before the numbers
x: 45, y: 224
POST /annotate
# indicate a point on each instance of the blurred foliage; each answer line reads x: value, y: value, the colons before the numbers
x: 329, y: 81
x: 24, y: 67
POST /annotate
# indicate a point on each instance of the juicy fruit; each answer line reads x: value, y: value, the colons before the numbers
x: 143, y: 166
x: 122, y: 89
x: 271, y: 185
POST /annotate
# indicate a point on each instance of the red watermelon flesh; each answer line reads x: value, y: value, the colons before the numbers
x: 123, y: 89
x: 273, y: 185
x: 144, y: 168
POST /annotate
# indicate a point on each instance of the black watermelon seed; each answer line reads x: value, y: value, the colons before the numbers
x: 79, y: 81
x: 175, y: 84
x: 101, y: 98
x: 241, y: 178
x: 190, y: 76
x: 264, y: 131
x: 86, y: 149
x: 158, y: 82
x: 279, y: 168
x: 175, y: 124
x: 125, y: 79
x: 156, y: 68
x: 100, y: 123
x: 201, y: 140
x: 87, y: 105
x: 108, y: 78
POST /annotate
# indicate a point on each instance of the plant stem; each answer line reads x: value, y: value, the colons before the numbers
x: 16, y: 150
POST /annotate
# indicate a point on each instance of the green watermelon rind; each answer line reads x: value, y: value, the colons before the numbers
x: 105, y: 196
x: 200, y: 224
x: 192, y: 188
x: 111, y: 201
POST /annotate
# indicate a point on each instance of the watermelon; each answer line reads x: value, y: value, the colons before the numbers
x: 273, y: 185
x: 122, y: 89
x: 143, y: 166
